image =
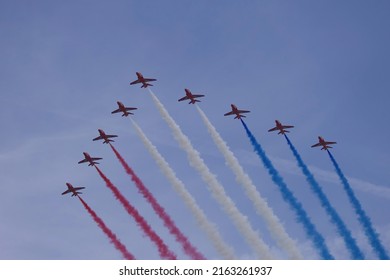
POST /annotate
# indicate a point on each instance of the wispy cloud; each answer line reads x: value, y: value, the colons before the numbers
x: 290, y: 167
x: 331, y: 177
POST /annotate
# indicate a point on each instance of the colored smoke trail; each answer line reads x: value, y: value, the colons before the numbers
x: 274, y: 225
x: 163, y: 250
x: 363, y: 218
x: 209, y: 228
x: 349, y: 241
x: 118, y: 245
x: 188, y: 248
x: 289, y: 197
x: 239, y: 220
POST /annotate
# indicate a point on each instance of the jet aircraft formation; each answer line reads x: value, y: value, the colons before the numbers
x: 235, y: 111
x: 193, y: 99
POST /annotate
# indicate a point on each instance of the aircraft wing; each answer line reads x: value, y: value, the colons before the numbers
x: 183, y: 98
x: 110, y: 136
x: 330, y: 143
x: 96, y: 158
x: 150, y: 80
x: 272, y: 129
x: 287, y: 126
x: 82, y: 161
x: 67, y: 191
x: 97, y: 138
x: 197, y: 95
x: 78, y: 188
x: 135, y: 82
x: 243, y: 111
x: 230, y: 113
x: 116, y: 111
x: 131, y: 108
x: 316, y: 145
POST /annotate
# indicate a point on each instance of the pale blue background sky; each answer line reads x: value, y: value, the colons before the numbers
x: 322, y: 66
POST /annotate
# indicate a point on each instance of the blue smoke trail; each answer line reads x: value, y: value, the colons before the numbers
x: 364, y: 220
x: 289, y: 197
x: 350, y: 242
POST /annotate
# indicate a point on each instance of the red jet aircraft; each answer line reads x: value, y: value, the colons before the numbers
x: 91, y: 160
x: 280, y: 127
x: 73, y: 190
x: 123, y: 109
x: 191, y: 97
x: 141, y: 79
x: 105, y: 137
x: 236, y: 112
x: 323, y: 143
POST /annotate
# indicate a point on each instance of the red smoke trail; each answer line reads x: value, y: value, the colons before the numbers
x: 164, y: 251
x: 189, y: 249
x: 126, y: 254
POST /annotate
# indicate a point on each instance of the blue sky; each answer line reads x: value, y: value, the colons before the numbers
x: 322, y: 66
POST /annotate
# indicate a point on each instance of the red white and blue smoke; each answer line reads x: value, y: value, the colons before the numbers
x: 253, y: 238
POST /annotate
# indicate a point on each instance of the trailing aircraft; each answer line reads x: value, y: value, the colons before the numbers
x: 236, y: 112
x: 105, y: 137
x: 91, y: 160
x: 323, y: 143
x: 191, y: 97
x: 123, y: 109
x: 280, y: 127
x: 144, y: 81
x: 73, y: 190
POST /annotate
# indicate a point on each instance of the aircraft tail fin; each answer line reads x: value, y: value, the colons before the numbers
x: 326, y: 147
x: 76, y: 194
x: 283, y: 132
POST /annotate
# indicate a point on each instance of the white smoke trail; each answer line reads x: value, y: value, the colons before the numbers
x: 239, y: 220
x: 274, y: 225
x: 210, y: 228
